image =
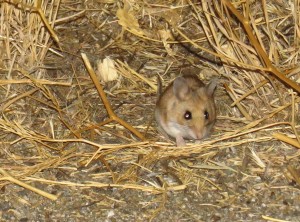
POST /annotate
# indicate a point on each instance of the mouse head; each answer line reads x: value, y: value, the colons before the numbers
x: 193, y: 109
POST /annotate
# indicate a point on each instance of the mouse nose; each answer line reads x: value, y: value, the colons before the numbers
x: 199, y: 135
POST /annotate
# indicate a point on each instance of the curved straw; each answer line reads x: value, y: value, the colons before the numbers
x: 272, y: 69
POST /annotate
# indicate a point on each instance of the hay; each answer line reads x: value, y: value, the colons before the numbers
x: 52, y: 116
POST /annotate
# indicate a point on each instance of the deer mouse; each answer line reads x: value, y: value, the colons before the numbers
x: 186, y: 108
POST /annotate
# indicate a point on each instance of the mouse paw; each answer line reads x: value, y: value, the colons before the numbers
x: 180, y: 141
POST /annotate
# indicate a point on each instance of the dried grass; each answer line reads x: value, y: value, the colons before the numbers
x: 49, y: 120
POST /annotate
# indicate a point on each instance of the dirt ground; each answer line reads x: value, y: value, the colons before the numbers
x: 224, y: 182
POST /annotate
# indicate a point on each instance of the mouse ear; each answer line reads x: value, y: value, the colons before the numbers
x: 211, y: 87
x: 181, y: 88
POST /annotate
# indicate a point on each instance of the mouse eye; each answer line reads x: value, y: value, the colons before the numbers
x: 206, y: 114
x: 187, y: 115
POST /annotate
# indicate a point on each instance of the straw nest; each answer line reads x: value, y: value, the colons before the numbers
x: 59, y: 135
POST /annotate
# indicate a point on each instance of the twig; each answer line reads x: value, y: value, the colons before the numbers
x: 110, y: 112
x: 8, y: 177
x: 270, y: 68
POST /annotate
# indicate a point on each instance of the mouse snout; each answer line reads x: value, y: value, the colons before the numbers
x: 199, y: 135
x: 195, y: 134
